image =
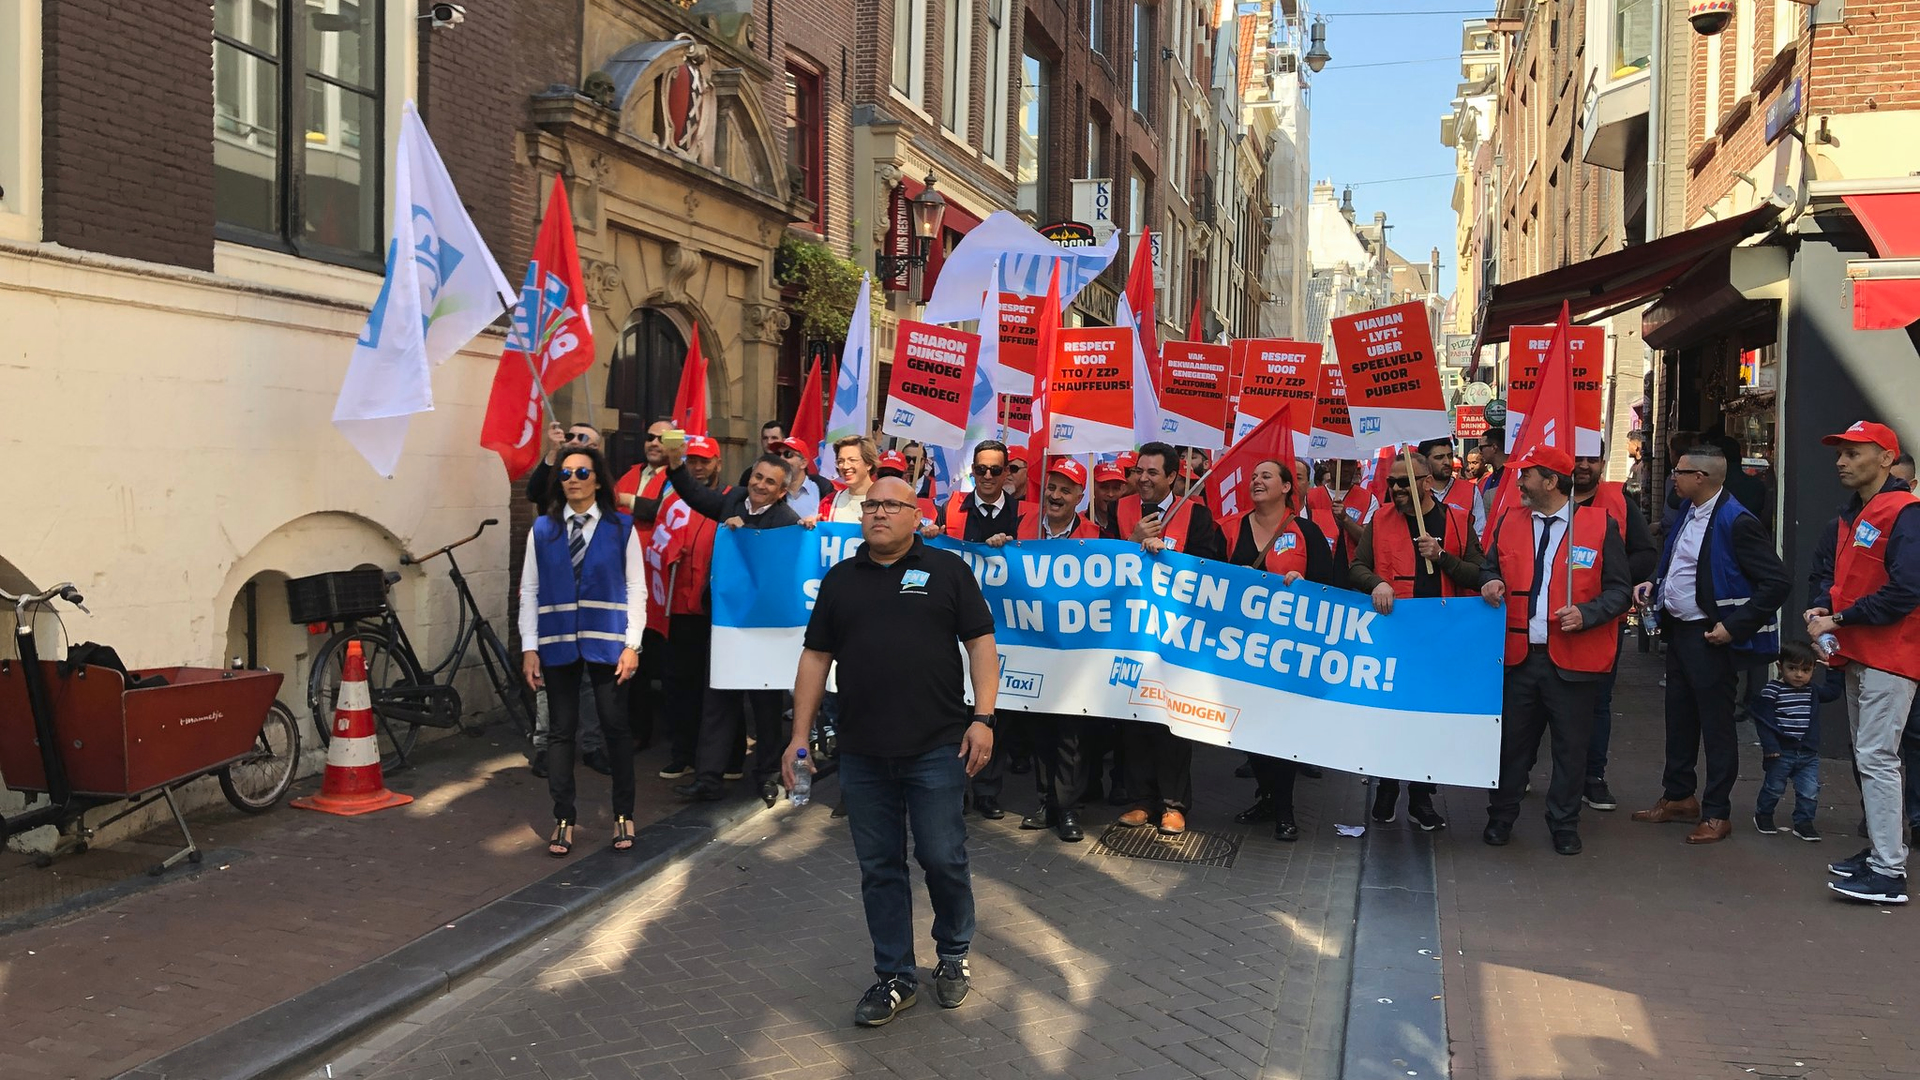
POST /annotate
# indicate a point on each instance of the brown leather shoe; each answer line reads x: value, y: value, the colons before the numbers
x: 1687, y: 809
x: 1134, y: 818
x: 1710, y: 831
x: 1172, y: 823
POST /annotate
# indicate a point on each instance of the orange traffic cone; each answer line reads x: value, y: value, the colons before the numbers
x: 353, y: 783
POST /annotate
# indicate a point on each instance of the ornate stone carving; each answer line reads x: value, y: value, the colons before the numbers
x: 763, y: 323
x: 889, y: 176
x: 601, y: 279
x: 683, y: 264
x: 693, y: 204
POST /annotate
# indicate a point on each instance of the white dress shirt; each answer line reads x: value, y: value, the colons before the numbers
x: 846, y: 507
x: 996, y: 505
x: 1678, y: 592
x: 636, y: 582
x: 1544, y: 588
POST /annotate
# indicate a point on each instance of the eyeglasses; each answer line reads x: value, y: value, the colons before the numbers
x: 886, y: 507
x: 1016, y: 467
x: 791, y: 453
x: 989, y: 470
x: 1399, y: 481
x: 652, y: 436
x: 580, y: 436
x: 584, y: 472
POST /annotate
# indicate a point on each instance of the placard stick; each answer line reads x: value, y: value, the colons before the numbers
x: 1420, y: 519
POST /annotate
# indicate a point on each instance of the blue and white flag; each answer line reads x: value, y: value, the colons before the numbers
x: 442, y: 287
x: 852, y: 411
x: 1024, y: 260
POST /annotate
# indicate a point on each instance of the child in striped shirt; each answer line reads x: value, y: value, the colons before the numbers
x: 1786, y: 716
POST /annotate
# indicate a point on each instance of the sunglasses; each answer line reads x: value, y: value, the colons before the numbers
x: 989, y: 470
x: 1016, y: 467
x: 652, y: 437
x: 1399, y: 481
x: 792, y: 453
x: 584, y: 472
x: 580, y: 436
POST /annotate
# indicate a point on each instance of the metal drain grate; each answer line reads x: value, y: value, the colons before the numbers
x: 1195, y: 847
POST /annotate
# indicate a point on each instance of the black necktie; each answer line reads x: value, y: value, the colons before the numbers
x: 1540, y: 567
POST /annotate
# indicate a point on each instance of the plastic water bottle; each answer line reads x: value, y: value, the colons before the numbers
x: 1826, y: 644
x: 802, y: 788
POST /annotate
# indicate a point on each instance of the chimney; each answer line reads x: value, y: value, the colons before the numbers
x: 1323, y: 193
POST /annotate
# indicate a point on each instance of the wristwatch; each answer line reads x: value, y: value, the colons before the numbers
x: 1836, y: 617
x: 984, y: 718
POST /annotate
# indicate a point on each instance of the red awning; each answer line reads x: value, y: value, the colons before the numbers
x: 1601, y: 285
x: 1892, y: 221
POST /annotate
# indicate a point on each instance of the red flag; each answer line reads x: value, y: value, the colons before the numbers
x: 1040, y: 427
x: 809, y: 422
x: 1140, y: 301
x: 1193, y: 320
x: 1550, y: 423
x: 1382, y: 468
x: 550, y: 332
x: 690, y: 404
x: 1230, y: 479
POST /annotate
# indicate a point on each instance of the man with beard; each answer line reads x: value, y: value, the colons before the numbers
x: 1457, y: 492
x: 639, y: 489
x: 1393, y: 561
x: 1561, y: 572
x: 1642, y: 558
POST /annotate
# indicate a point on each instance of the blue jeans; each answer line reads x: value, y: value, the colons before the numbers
x: 1602, y: 725
x: 1801, y: 765
x: 884, y: 798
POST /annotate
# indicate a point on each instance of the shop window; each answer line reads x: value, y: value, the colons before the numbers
x: 297, y: 132
x: 807, y: 140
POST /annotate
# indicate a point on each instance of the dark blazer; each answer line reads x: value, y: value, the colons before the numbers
x: 1753, y: 550
x: 1616, y: 587
x: 728, y: 503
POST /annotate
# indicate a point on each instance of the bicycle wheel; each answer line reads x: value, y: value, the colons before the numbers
x: 258, y: 782
x: 506, y: 682
x: 386, y: 668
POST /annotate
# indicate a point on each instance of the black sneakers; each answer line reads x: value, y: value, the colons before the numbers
x: 1872, y: 886
x: 951, y: 981
x: 1805, y: 831
x: 1599, y: 796
x: 1764, y: 823
x: 1425, y: 816
x: 1852, y: 866
x: 883, y: 1001
x: 1385, y: 804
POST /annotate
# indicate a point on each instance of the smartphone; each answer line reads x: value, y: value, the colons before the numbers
x: 673, y: 439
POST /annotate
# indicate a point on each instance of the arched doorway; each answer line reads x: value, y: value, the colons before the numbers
x: 642, y: 381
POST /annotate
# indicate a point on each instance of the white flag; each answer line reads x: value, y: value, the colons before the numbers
x: 1148, y: 424
x: 442, y: 287
x: 851, y: 413
x: 1022, y: 257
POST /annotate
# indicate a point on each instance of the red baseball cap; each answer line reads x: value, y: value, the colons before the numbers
x: 703, y: 446
x: 798, y: 447
x: 1866, y: 431
x: 1069, y: 468
x: 1540, y: 455
x: 1110, y: 472
x: 892, y: 459
x: 1126, y: 459
x: 1017, y: 453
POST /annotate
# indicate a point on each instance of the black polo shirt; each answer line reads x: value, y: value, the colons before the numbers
x: 894, y: 630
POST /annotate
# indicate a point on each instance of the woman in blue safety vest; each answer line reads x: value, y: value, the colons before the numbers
x: 583, y: 604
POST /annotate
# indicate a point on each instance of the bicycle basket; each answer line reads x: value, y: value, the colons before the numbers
x: 336, y: 597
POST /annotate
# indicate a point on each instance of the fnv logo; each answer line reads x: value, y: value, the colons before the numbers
x: 903, y: 417
x: 1124, y: 672
x: 1318, y: 442
x: 1369, y: 425
x: 1063, y: 431
x: 1169, y: 425
x: 1584, y: 557
x: 1865, y: 535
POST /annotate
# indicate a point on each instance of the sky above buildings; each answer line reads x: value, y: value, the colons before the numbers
x: 1381, y: 121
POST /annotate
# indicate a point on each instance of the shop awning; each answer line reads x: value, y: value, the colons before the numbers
x: 1610, y: 282
x: 1886, y: 290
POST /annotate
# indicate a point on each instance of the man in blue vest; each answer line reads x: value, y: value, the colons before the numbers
x: 1720, y: 586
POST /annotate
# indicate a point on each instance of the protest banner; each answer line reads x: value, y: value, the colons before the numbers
x: 1016, y: 415
x: 1220, y: 654
x: 1090, y: 400
x: 1469, y: 421
x: 932, y: 384
x: 1586, y: 345
x: 1277, y: 373
x: 1332, y: 433
x: 1393, y: 381
x: 1193, y: 394
x: 1019, y: 337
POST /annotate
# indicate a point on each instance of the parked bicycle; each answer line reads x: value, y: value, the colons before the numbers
x: 407, y: 695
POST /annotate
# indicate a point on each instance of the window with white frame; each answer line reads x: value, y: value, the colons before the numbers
x: 996, y: 87
x: 1632, y: 36
x: 1097, y: 25
x: 1714, y: 45
x: 910, y: 49
x: 1744, y: 13
x: 1036, y: 103
x: 1143, y: 45
x: 957, y: 95
x: 18, y: 216
x: 298, y: 96
x: 1788, y: 18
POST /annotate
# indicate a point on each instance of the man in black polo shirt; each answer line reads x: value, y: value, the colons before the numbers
x: 891, y: 616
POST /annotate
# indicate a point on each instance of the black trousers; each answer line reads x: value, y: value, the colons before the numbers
x: 689, y: 651
x: 1702, y: 681
x: 1061, y: 765
x: 1274, y: 777
x: 1159, y: 765
x: 723, y: 727
x: 563, y: 725
x: 643, y: 701
x: 1538, y: 699
x: 1009, y: 733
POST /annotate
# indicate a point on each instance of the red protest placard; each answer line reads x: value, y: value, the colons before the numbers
x: 1469, y: 421
x: 1393, y: 380
x: 1277, y: 372
x: 1090, y: 400
x: 1332, y: 433
x: 931, y: 384
x: 1236, y: 369
x: 1019, y: 338
x: 1016, y: 413
x: 1586, y: 346
x: 1193, y: 393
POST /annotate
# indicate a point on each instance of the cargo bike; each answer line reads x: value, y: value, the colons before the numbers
x: 89, y: 736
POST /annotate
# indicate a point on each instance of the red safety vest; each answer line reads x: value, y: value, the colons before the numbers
x: 629, y: 484
x: 1590, y: 650
x: 1394, y: 555
x: 1860, y: 569
x: 1320, y: 511
x: 681, y: 559
x: 1612, y: 498
x: 961, y: 502
x: 1287, y: 553
x: 1126, y: 514
x: 1458, y: 495
x: 1032, y: 515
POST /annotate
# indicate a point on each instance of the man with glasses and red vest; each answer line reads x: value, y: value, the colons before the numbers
x: 1394, y: 562
x: 1561, y: 572
x: 1865, y: 590
x: 1642, y: 557
x: 1719, y: 587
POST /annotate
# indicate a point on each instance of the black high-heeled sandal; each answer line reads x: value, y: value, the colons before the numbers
x: 623, y: 834
x: 560, y: 845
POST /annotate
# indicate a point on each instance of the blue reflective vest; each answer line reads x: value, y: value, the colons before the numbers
x: 584, y: 619
x: 1731, y: 589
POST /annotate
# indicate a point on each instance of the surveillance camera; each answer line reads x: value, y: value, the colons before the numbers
x: 444, y: 15
x: 1709, y: 17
